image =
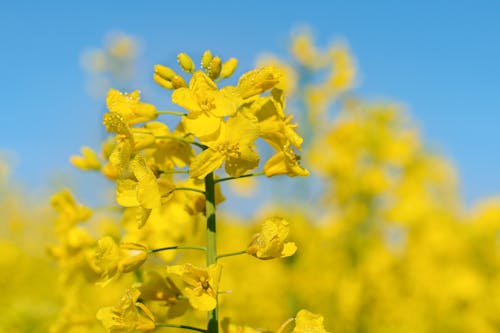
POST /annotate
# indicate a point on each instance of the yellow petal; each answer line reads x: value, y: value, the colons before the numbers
x: 203, y: 302
x: 126, y: 193
x: 258, y: 80
x: 202, y: 125
x: 289, y: 249
x: 205, y: 162
x: 247, y: 160
x: 186, y: 98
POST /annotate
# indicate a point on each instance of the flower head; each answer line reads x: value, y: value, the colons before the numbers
x: 111, y: 260
x: 270, y: 242
x: 308, y: 322
x: 125, y: 317
x: 202, y: 284
x: 234, y: 146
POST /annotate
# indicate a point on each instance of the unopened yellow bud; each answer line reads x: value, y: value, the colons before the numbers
x: 165, y: 72
x: 214, y: 68
x: 186, y: 62
x: 206, y: 59
x: 162, y: 82
x: 178, y: 82
x: 228, y: 68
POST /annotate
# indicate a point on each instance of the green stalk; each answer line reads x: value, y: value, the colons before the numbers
x: 213, y: 324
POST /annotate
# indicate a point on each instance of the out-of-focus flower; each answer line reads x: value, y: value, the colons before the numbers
x: 125, y: 317
x: 270, y: 242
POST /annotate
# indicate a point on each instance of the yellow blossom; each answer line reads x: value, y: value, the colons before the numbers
x: 130, y: 107
x: 257, y: 81
x: 89, y: 160
x: 202, y: 284
x: 111, y: 260
x: 285, y: 162
x: 275, y: 127
x: 305, y: 52
x: 234, y: 146
x: 228, y: 327
x: 158, y: 288
x: 308, y: 322
x: 206, y: 104
x: 125, y: 317
x: 270, y: 242
x: 70, y: 212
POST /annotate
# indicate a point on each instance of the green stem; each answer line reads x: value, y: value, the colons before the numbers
x: 213, y: 324
x: 178, y: 247
x: 181, y: 326
x: 186, y: 189
x: 178, y: 138
x: 242, y: 176
x: 175, y: 113
x: 231, y: 254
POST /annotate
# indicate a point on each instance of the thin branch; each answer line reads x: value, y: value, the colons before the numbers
x: 231, y: 254
x: 242, y: 176
x: 175, y: 113
x: 179, y: 247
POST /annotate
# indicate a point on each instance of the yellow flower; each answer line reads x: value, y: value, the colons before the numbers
x: 130, y: 107
x: 258, y: 80
x: 144, y: 192
x: 70, y: 212
x: 206, y: 104
x: 228, y: 327
x: 289, y: 76
x: 157, y: 288
x: 169, y: 153
x: 202, y: 284
x: 234, y: 146
x: 304, y: 51
x: 125, y: 317
x: 275, y: 127
x: 308, y: 322
x: 270, y: 242
x: 89, y: 160
x: 285, y: 162
x: 111, y: 260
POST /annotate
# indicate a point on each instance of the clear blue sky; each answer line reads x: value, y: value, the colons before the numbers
x: 440, y: 58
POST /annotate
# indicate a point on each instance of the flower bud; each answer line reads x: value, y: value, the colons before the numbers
x: 214, y: 68
x: 178, y: 82
x: 228, y: 68
x: 162, y: 82
x: 206, y: 59
x: 186, y: 62
x: 165, y: 72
